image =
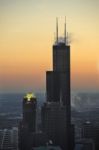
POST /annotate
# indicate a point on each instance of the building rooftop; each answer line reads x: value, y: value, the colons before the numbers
x: 28, y: 96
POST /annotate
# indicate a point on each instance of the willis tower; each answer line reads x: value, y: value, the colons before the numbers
x: 58, y: 80
x: 56, y: 112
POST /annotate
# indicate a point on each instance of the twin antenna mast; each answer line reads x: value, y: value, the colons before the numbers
x: 65, y: 32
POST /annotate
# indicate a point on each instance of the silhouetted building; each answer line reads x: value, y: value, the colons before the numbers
x: 28, y: 124
x: 56, y: 112
x: 29, y: 111
x: 84, y: 144
x: 91, y: 131
x: 54, y: 124
x: 9, y: 139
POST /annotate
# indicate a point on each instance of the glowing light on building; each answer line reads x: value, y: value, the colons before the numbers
x: 29, y: 96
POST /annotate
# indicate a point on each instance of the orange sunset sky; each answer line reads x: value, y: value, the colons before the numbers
x: 26, y: 37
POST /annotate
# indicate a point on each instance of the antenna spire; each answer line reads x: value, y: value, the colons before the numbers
x: 57, y: 30
x: 65, y: 40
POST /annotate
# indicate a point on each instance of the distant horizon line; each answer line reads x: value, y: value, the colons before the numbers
x: 44, y: 92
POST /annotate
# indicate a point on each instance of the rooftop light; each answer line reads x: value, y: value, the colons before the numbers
x: 29, y: 96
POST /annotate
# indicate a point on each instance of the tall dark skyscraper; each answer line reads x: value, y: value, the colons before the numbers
x: 56, y: 113
x: 29, y: 111
x: 58, y: 80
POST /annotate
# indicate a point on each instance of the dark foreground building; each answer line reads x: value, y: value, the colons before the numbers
x: 29, y: 111
x: 9, y: 139
x: 28, y: 124
x: 56, y: 112
x: 91, y: 131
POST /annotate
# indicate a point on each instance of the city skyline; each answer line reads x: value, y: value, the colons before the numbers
x: 26, y: 37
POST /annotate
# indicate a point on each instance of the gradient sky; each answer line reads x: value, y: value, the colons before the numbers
x: 27, y: 30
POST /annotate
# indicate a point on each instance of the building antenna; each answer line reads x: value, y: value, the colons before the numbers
x: 65, y: 40
x: 56, y: 30
x: 54, y: 37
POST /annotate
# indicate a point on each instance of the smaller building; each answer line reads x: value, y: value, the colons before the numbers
x: 29, y: 111
x: 9, y: 139
x: 84, y: 144
x: 27, y: 126
x: 91, y: 131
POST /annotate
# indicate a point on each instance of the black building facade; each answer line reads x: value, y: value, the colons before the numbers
x: 29, y: 111
x: 56, y: 112
x: 27, y: 126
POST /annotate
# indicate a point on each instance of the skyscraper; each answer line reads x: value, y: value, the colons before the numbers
x: 27, y: 126
x: 91, y: 131
x: 58, y: 80
x: 56, y: 113
x: 29, y: 111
